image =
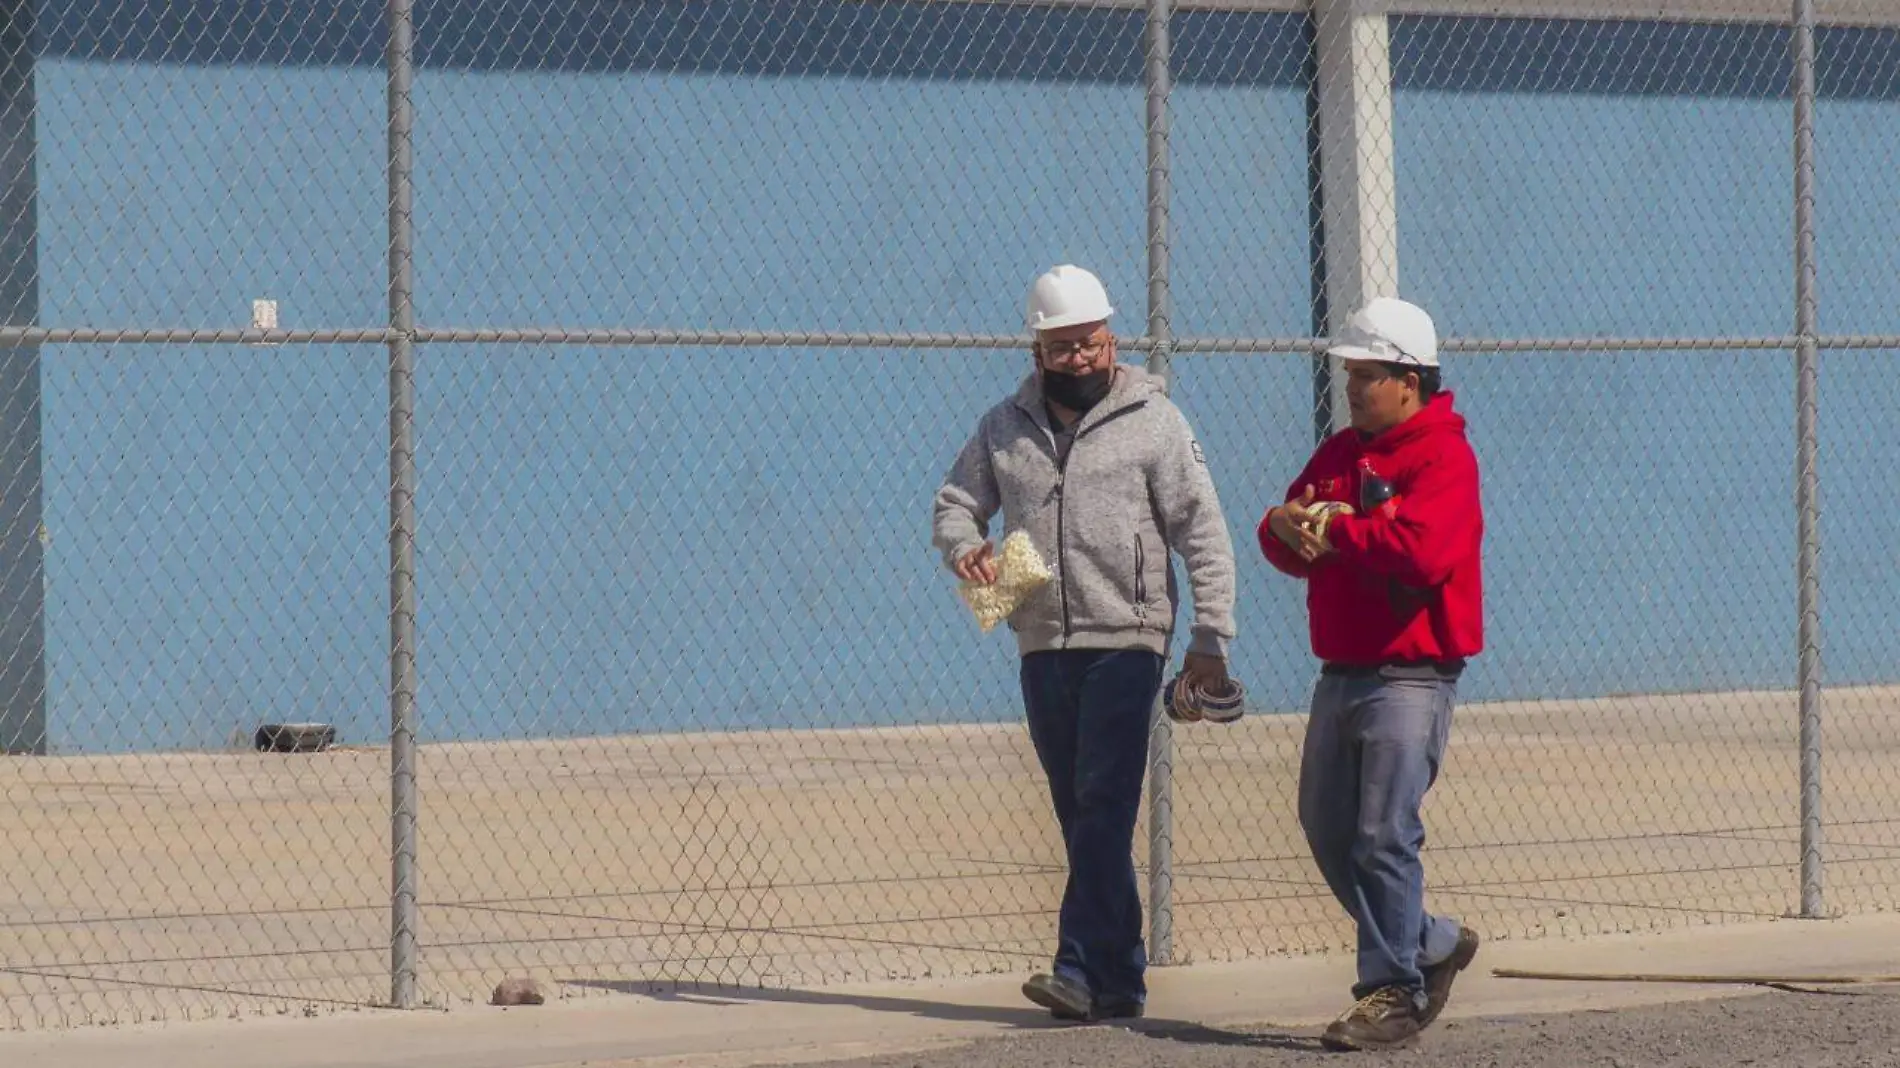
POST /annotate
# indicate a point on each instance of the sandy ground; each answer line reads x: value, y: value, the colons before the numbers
x: 188, y: 886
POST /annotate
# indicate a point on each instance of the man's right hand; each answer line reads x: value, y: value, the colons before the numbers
x: 978, y: 565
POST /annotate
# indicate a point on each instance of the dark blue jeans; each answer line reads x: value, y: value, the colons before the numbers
x: 1373, y: 747
x: 1089, y: 712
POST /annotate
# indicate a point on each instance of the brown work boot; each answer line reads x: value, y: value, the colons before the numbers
x: 1387, y: 1018
x: 1438, y: 977
x: 1065, y: 998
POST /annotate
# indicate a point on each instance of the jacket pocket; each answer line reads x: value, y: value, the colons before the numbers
x: 1141, y: 575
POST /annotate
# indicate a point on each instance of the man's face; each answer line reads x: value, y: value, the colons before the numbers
x: 1076, y: 350
x: 1379, y: 400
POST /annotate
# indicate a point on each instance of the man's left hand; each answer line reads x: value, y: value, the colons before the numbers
x: 1205, y: 670
x: 1316, y: 538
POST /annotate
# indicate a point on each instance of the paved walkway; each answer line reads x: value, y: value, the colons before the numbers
x: 733, y: 1028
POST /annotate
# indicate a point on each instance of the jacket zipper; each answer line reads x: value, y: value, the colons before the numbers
x: 1062, y: 477
x: 1062, y: 557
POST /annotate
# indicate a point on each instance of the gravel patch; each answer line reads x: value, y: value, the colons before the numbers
x: 1857, y: 1028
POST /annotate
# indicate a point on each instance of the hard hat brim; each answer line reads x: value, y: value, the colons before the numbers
x: 1361, y: 352
x: 1057, y: 322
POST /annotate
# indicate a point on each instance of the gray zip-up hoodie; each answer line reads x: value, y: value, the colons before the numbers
x: 1135, y: 487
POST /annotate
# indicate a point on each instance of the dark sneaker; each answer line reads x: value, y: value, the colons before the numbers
x: 1065, y: 998
x: 1438, y: 977
x: 1387, y: 1018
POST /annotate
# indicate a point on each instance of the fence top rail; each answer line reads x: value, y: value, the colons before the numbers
x: 14, y: 336
x: 1773, y: 12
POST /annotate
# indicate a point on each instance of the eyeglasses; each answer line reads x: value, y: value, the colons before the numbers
x: 1390, y: 352
x: 1087, y: 350
x: 1382, y: 349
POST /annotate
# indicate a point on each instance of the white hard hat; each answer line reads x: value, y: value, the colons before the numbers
x: 1065, y: 296
x: 1391, y: 331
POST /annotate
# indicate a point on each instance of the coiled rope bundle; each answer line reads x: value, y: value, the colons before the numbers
x: 1192, y: 703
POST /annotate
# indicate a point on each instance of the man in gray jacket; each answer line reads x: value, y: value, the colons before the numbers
x: 1099, y: 467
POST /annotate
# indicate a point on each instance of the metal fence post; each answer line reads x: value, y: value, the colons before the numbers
x: 1358, y: 187
x: 1807, y: 479
x: 1161, y: 336
x: 402, y: 509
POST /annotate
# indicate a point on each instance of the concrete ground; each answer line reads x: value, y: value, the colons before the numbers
x: 1263, y: 1012
x: 242, y: 885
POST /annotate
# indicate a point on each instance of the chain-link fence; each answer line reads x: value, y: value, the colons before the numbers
x: 547, y: 398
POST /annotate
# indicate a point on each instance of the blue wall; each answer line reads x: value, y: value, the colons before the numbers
x: 649, y: 539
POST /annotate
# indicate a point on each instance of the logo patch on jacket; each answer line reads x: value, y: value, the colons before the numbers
x: 1199, y: 456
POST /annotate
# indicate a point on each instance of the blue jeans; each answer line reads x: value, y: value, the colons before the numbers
x: 1373, y: 747
x: 1089, y: 713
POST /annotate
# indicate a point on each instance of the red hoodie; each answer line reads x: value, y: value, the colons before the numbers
x: 1404, y: 581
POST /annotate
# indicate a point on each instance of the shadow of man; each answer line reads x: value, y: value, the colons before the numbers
x: 720, y: 994
x: 724, y: 994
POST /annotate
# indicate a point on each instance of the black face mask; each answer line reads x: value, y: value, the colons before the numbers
x: 1078, y: 393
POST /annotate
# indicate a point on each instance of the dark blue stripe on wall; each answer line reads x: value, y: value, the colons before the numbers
x: 1625, y: 57
x: 204, y: 32
x: 787, y: 37
x: 825, y: 38
x: 961, y: 40
x: 22, y: 559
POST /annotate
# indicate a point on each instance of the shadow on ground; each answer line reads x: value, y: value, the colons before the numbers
x: 1025, y: 1018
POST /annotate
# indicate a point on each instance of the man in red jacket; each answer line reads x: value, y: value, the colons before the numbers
x: 1384, y: 524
